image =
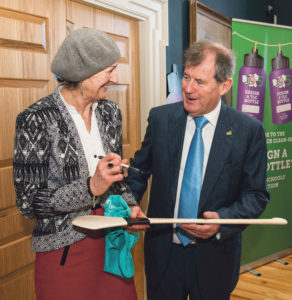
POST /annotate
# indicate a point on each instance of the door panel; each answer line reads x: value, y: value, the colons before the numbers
x: 19, y: 286
x: 13, y: 223
x: 30, y: 33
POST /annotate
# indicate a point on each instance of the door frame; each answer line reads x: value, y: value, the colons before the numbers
x: 153, y: 39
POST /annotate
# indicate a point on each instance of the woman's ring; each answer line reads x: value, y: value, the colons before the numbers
x: 110, y: 165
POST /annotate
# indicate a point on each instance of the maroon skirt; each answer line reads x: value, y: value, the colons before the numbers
x: 82, y: 275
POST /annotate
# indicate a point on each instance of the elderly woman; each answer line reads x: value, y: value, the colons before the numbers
x: 58, y: 175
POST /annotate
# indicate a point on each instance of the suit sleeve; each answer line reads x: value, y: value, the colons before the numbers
x: 142, y: 160
x: 252, y: 196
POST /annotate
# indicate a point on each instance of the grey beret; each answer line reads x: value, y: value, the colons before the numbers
x: 84, y: 52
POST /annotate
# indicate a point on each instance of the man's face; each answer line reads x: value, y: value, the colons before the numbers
x: 201, y: 93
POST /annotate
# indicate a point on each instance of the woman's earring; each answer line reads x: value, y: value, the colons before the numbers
x: 80, y: 87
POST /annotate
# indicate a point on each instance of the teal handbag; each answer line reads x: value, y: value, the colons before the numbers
x: 118, y: 242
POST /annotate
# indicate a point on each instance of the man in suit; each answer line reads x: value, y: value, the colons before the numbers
x: 233, y: 181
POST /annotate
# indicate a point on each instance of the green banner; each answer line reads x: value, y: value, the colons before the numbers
x: 262, y: 88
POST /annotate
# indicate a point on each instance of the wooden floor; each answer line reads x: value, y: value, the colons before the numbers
x: 275, y: 282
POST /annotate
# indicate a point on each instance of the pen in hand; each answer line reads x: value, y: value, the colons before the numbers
x: 110, y: 165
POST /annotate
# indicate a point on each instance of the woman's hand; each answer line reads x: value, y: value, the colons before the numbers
x: 136, y: 213
x: 107, y: 172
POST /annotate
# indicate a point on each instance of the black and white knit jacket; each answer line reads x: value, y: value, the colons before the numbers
x: 51, y: 171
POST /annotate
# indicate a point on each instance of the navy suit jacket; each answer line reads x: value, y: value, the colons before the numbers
x: 234, y: 186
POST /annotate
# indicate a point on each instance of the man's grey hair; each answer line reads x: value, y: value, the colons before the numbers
x: 225, y: 59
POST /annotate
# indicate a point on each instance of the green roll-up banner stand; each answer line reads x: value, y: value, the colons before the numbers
x: 262, y: 88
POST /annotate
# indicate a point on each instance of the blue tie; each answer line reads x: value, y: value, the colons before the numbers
x: 192, y: 180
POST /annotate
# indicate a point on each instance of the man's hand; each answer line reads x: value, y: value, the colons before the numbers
x: 203, y: 231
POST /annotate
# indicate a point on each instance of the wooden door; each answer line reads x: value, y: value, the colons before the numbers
x: 30, y: 32
x: 126, y: 93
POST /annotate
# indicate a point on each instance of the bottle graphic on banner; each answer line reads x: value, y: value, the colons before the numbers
x: 251, y: 85
x: 281, y: 89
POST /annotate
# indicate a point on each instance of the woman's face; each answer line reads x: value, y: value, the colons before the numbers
x: 95, y: 86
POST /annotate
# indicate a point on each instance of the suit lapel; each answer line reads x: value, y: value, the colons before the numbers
x: 176, y: 132
x: 220, y: 150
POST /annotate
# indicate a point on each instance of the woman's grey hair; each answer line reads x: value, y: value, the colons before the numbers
x: 225, y: 59
x: 71, y: 85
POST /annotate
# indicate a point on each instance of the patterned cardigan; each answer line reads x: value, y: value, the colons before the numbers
x: 51, y: 171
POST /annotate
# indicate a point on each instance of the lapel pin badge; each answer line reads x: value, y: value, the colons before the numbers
x: 229, y: 132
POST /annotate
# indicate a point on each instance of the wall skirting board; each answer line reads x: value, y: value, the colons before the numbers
x: 265, y: 260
